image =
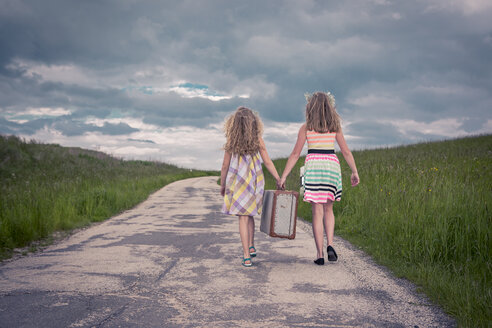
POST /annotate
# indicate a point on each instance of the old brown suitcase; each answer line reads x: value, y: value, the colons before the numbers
x: 279, y: 213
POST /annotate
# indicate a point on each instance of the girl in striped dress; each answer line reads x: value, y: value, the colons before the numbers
x: 241, y: 180
x: 322, y: 177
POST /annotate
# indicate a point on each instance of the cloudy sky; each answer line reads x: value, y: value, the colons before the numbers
x: 155, y: 79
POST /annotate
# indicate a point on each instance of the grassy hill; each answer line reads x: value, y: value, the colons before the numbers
x: 424, y: 211
x: 46, y: 188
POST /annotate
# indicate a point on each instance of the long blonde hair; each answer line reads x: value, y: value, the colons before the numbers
x: 321, y: 115
x: 243, y: 130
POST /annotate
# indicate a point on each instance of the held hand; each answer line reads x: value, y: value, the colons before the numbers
x: 222, y: 190
x: 354, y: 178
x: 281, y: 184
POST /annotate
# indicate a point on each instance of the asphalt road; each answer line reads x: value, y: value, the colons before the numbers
x: 174, y: 261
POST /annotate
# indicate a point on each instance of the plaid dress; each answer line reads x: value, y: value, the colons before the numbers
x: 245, y: 185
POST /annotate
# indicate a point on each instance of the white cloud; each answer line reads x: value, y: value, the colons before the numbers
x: 467, y: 7
x: 201, y: 148
x: 449, y: 127
x: 486, y: 128
x: 193, y: 92
x: 133, y: 122
x: 185, y: 146
x: 34, y: 113
x: 280, y: 138
x: 257, y: 87
x: 47, y: 111
x: 283, y: 130
x: 373, y: 100
x: 131, y: 151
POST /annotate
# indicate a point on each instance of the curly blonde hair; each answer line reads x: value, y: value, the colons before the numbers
x: 243, y: 130
x: 321, y: 115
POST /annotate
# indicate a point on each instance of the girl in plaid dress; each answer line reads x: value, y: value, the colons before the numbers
x: 241, y: 181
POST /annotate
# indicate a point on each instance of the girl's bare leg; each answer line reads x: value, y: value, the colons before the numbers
x: 318, y: 228
x: 251, y: 230
x: 244, y: 233
x: 329, y: 222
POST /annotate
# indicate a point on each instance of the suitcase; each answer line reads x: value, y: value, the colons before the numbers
x: 279, y: 213
x: 302, y: 188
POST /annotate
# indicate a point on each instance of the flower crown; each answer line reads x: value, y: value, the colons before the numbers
x: 331, y: 98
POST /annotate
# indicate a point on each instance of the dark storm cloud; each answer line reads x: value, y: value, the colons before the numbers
x: 20, y: 92
x: 64, y: 125
x: 86, y: 33
x: 144, y: 141
x: 472, y: 124
x: 74, y: 128
x: 28, y: 128
x: 382, y: 59
x: 7, y: 127
x: 372, y: 134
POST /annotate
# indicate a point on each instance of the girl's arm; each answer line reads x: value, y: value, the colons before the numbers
x: 294, y: 156
x: 267, y: 161
x: 223, y: 172
x: 347, y: 154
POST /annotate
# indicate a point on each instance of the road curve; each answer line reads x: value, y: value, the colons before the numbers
x: 174, y: 261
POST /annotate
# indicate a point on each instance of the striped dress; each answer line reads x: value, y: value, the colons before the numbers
x: 245, y: 185
x: 323, y: 177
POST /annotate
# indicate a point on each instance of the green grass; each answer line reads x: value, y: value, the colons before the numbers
x: 424, y: 212
x: 46, y: 188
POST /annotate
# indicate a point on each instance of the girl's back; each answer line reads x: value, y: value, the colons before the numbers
x: 245, y: 183
x: 241, y: 178
x: 318, y: 140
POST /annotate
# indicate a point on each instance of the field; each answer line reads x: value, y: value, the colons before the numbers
x: 424, y: 212
x: 46, y: 188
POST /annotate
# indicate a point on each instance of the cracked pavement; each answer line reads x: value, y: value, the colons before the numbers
x: 175, y: 261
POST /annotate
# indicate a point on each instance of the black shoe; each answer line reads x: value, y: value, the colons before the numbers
x: 320, y: 261
x: 332, y: 255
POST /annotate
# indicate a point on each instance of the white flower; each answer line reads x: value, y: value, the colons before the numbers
x: 331, y: 99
